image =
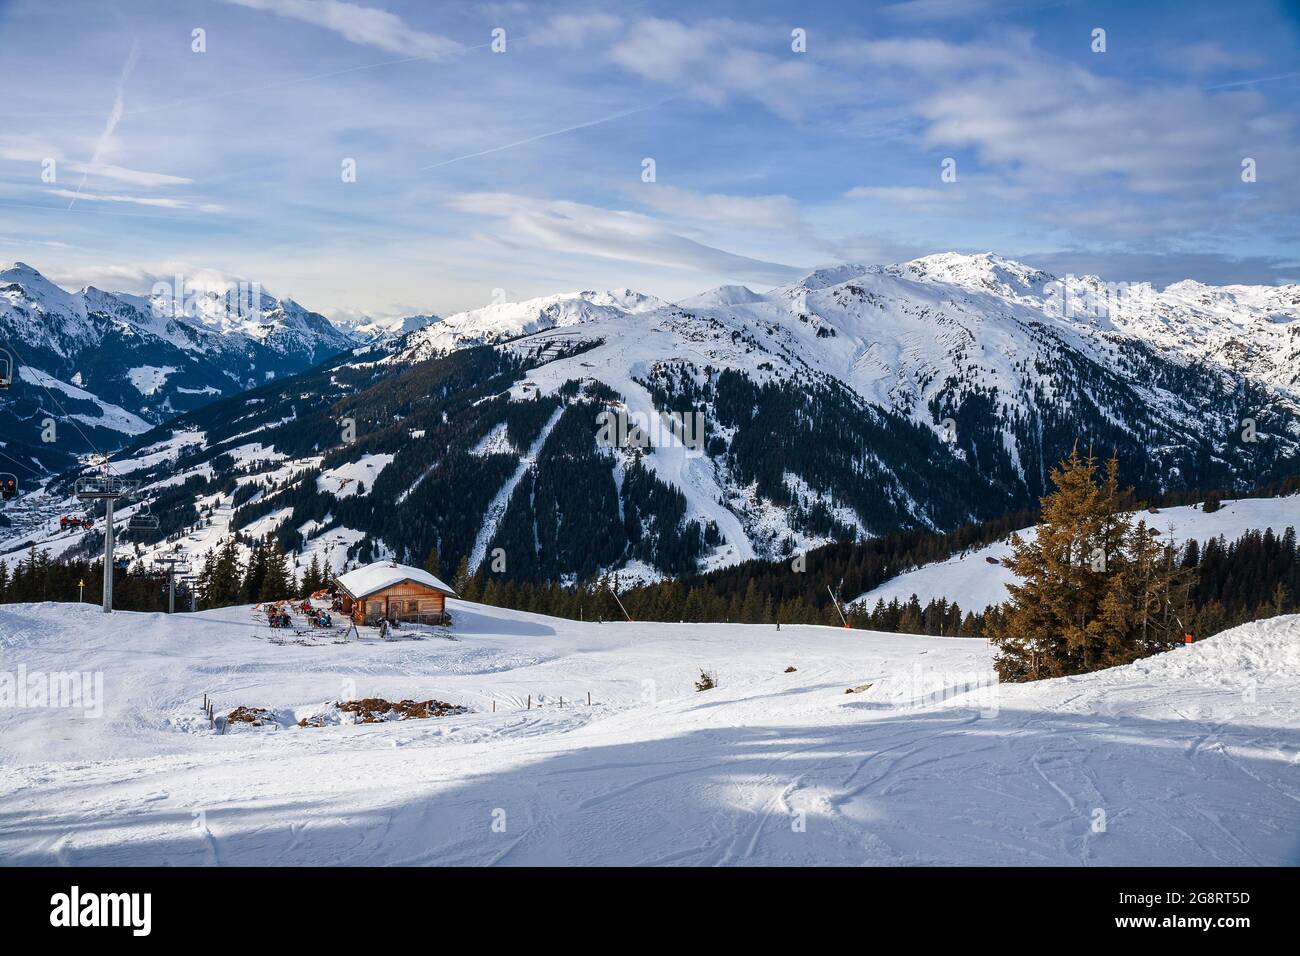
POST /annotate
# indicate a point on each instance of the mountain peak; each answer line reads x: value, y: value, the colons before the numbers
x: 826, y: 277
x: 723, y: 295
x: 985, y: 270
x: 17, y: 268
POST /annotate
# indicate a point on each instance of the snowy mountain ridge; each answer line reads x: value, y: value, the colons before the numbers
x: 853, y: 402
x: 930, y: 335
x: 1251, y: 330
x: 507, y: 320
x: 154, y: 356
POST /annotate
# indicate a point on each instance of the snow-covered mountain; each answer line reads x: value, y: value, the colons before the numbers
x: 370, y: 331
x: 151, y: 357
x: 968, y: 307
x: 855, y: 401
x: 507, y: 320
x: 1003, y: 363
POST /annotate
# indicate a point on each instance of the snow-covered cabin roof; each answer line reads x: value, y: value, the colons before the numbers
x: 384, y: 574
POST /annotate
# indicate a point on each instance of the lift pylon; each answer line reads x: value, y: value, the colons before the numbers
x: 177, y: 565
x: 108, y: 489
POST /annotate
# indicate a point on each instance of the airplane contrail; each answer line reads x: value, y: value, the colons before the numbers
x: 1262, y: 79
x: 114, y: 117
x: 554, y: 132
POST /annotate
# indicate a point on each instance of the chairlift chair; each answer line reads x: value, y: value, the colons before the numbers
x: 6, y: 369
x: 8, y: 485
x: 143, y: 520
x: 95, y: 488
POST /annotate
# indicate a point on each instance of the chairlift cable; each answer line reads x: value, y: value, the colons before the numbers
x: 21, y: 465
x: 72, y: 421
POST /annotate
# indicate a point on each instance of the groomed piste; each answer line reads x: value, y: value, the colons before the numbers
x: 1186, y: 758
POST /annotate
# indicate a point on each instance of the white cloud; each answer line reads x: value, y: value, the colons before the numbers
x: 711, y: 62
x: 367, y: 26
x: 720, y: 209
x: 1044, y: 128
x: 898, y: 194
x: 25, y: 150
x: 160, y: 202
x: 37, y: 154
x: 574, y: 29
x: 920, y: 11
x: 135, y: 177
x: 576, y: 228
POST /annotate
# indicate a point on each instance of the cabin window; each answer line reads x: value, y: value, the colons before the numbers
x: 412, y: 607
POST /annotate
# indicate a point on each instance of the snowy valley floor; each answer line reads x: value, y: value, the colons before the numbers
x: 1187, y: 758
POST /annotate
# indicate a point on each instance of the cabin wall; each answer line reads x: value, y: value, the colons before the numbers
x: 402, y: 601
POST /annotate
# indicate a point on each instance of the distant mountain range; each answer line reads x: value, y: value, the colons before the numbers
x: 852, y: 402
x: 121, y: 363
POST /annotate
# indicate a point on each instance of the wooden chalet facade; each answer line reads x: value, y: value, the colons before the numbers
x: 395, y: 592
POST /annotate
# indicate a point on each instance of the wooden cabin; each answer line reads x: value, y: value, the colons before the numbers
x: 396, y: 592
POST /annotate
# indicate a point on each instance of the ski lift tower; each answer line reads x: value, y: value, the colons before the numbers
x: 177, y: 564
x: 191, y: 583
x: 109, y: 490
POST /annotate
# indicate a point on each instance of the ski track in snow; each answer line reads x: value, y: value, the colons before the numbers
x: 497, y: 509
x: 1188, y: 758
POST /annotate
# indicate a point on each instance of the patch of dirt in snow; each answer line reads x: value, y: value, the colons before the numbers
x: 374, y: 710
x: 257, y: 716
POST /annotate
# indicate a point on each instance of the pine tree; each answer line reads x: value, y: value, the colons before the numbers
x: 431, y: 562
x: 224, y: 584
x: 277, y: 582
x: 255, y: 574
x: 909, y: 621
x: 203, y: 580
x: 460, y: 582
x: 1095, y: 588
x: 313, y: 579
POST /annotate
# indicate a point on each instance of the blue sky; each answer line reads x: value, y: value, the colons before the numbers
x: 522, y: 170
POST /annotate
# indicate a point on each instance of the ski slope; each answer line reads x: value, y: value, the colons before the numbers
x: 975, y: 582
x: 1187, y: 758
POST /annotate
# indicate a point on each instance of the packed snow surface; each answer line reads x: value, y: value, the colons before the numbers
x: 1186, y: 758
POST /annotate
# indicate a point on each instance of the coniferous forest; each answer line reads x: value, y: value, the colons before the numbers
x: 1209, y: 585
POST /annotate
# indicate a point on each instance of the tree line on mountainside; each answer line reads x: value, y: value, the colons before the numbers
x: 1097, y: 586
